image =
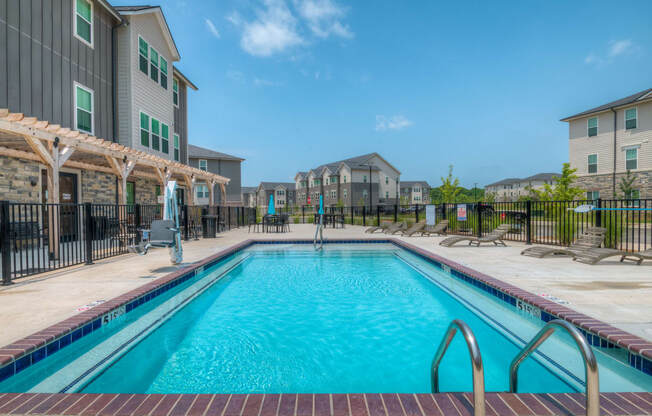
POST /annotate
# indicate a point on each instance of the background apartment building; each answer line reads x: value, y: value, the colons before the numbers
x: 221, y: 164
x: 607, y: 141
x: 283, y: 192
x: 104, y: 71
x: 357, y: 181
x: 249, y: 196
x: 511, y: 189
x: 415, y: 192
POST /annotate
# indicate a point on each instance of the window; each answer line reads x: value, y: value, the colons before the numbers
x: 280, y: 192
x: 345, y: 193
x: 631, y: 117
x: 631, y: 159
x: 364, y: 179
x: 593, y: 163
x: 153, y: 67
x: 176, y: 147
x: 83, y: 109
x: 175, y: 92
x: 416, y: 189
x: 344, y: 179
x: 592, y: 195
x: 144, y: 129
x: 143, y: 53
x: 165, y: 138
x: 156, y: 134
x: 203, y: 164
x: 334, y: 194
x: 633, y: 194
x: 84, y: 21
x: 386, y: 195
x: 364, y: 193
x: 164, y: 73
x: 417, y: 198
x: 592, y: 125
x: 202, y: 191
x: 386, y: 180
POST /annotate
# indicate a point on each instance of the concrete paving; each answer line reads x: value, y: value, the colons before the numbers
x: 619, y: 294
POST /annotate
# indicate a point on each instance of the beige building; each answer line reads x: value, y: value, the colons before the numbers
x: 606, y: 141
x: 511, y: 189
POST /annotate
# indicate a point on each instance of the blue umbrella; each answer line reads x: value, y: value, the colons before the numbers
x: 321, y: 205
x: 270, y: 209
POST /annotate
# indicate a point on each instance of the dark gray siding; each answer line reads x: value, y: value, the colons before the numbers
x: 40, y: 59
x: 227, y: 168
x: 181, y: 122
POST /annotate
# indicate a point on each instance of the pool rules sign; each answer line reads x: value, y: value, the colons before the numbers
x: 430, y: 215
x: 461, y: 212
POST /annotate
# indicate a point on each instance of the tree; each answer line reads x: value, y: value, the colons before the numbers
x: 450, y: 187
x: 562, y: 189
x: 626, y: 185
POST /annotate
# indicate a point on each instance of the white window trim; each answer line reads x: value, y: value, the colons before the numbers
x: 637, y: 152
x: 178, y: 95
x: 597, y: 125
x: 597, y: 163
x: 625, y: 118
x: 199, y: 164
x: 74, y: 19
x: 74, y: 91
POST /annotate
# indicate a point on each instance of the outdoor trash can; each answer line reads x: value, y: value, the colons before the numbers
x: 209, y: 226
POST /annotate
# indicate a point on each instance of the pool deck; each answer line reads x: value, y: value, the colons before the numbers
x: 616, y: 293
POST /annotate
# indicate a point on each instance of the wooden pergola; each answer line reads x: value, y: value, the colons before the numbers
x: 56, y: 147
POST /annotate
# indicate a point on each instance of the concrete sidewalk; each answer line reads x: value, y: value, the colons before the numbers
x: 616, y: 293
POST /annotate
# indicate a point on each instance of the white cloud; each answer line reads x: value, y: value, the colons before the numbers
x: 620, y: 47
x: 323, y: 17
x: 397, y: 122
x: 274, y: 30
x: 235, y: 75
x: 211, y: 28
x: 261, y: 82
x: 614, y: 50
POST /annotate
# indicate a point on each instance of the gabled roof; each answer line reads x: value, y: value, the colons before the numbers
x: 354, y: 163
x: 639, y: 96
x: 507, y: 181
x: 135, y: 10
x: 197, y: 152
x: 541, y: 177
x: 248, y: 189
x: 183, y: 78
x: 268, y: 186
x: 409, y: 184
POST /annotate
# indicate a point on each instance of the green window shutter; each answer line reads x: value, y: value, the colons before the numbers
x: 143, y: 47
x: 144, y: 129
x: 165, y: 140
x: 153, y: 68
x: 155, y: 134
x: 143, y: 54
x: 164, y: 66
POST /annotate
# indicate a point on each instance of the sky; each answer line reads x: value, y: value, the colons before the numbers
x: 480, y: 85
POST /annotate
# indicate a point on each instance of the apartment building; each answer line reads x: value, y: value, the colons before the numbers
x: 283, y: 192
x: 221, y: 164
x: 607, y: 141
x: 415, y: 192
x: 511, y: 189
x: 361, y: 180
x: 249, y: 196
x: 92, y: 108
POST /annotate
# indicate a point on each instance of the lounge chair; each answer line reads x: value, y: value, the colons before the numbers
x: 439, y: 229
x: 496, y: 237
x: 595, y: 255
x: 591, y: 238
x: 395, y: 228
x: 414, y: 229
x: 382, y: 227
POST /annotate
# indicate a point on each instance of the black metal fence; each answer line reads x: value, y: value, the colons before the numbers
x: 36, y: 238
x: 628, y: 222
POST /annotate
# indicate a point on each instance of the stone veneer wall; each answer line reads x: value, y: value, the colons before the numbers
x: 98, y: 187
x: 16, y: 176
x: 146, y: 191
x: 603, y: 183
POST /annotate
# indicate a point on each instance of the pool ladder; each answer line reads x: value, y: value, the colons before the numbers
x: 590, y: 363
x: 319, y: 244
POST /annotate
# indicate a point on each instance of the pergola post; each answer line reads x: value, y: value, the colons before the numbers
x: 190, y: 183
x: 223, y: 189
x: 122, y: 170
x: 211, y: 190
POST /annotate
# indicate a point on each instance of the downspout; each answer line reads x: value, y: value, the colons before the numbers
x: 613, y: 179
x: 114, y: 79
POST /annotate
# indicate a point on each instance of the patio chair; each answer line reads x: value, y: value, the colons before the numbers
x: 439, y: 229
x: 162, y: 234
x: 395, y: 228
x: 591, y: 238
x: 253, y: 223
x: 595, y: 255
x: 382, y: 227
x: 495, y: 237
x: 415, y: 228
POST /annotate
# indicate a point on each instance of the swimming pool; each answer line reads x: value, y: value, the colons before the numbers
x: 281, y: 318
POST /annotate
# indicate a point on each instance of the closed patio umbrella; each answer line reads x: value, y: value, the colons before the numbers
x: 270, y: 209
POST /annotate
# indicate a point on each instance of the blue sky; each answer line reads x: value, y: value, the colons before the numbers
x: 291, y: 84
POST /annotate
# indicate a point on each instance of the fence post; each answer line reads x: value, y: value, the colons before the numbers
x: 137, y: 222
x: 184, y: 210
x: 303, y: 214
x: 396, y: 212
x: 598, y: 213
x: 478, y: 209
x: 88, y: 231
x: 5, y: 247
x: 528, y: 222
x: 378, y: 215
x: 364, y: 217
x: 416, y: 213
x: 352, y: 215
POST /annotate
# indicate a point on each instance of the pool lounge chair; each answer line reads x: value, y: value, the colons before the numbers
x: 595, y: 255
x: 496, y: 237
x: 395, y: 228
x: 414, y: 229
x: 382, y: 227
x: 591, y: 238
x: 439, y: 229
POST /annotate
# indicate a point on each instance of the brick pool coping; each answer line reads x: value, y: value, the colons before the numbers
x: 358, y: 404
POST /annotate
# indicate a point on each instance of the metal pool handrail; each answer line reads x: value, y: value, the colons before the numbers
x: 590, y: 363
x: 319, y: 231
x: 476, y: 362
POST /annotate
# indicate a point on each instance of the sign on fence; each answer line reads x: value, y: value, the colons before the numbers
x: 430, y: 215
x: 461, y: 212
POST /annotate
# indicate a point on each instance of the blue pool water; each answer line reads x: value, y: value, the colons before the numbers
x: 365, y: 318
